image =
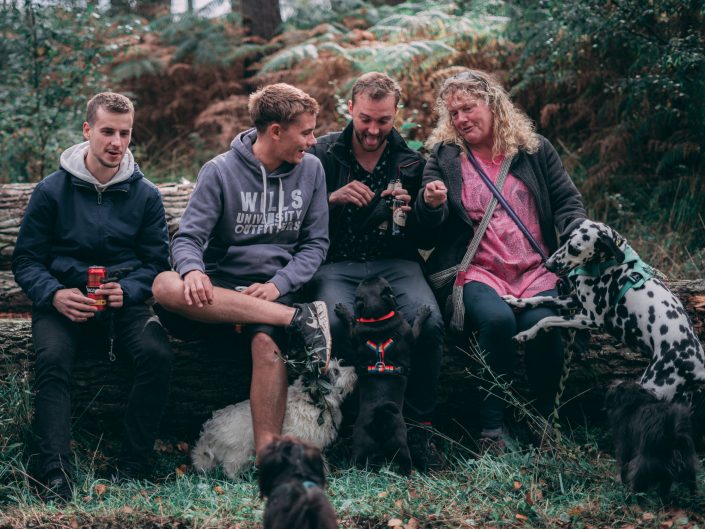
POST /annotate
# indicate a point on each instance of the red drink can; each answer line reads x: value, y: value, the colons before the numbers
x: 96, y: 275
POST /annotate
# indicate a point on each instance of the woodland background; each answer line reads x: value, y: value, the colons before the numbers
x: 616, y: 85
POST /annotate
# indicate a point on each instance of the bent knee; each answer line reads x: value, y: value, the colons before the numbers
x: 168, y: 290
x: 265, y: 351
x: 501, y: 326
x: 155, y: 342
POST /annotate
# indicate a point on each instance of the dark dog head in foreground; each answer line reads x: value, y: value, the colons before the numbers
x: 653, y: 439
x: 292, y: 479
x: 589, y: 242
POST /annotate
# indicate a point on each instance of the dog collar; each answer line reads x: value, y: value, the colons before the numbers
x: 387, y: 316
x: 309, y: 485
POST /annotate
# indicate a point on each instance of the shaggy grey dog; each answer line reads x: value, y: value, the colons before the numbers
x: 227, y: 438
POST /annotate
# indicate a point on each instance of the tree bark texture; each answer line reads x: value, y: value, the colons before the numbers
x: 207, y: 378
x: 262, y: 17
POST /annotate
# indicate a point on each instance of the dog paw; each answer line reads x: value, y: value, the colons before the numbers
x: 423, y: 313
x: 342, y: 310
x: 523, y: 337
x: 514, y: 302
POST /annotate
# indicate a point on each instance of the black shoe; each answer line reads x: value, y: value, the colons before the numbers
x: 424, y: 453
x: 310, y: 324
x: 128, y: 470
x: 57, y: 487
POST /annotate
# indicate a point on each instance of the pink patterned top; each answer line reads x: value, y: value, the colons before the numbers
x: 505, y: 259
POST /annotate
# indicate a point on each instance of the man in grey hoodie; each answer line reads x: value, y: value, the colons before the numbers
x: 97, y: 209
x: 254, y: 232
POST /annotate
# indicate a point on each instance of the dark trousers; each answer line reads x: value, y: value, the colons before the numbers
x: 138, y: 333
x: 496, y: 324
x: 336, y: 283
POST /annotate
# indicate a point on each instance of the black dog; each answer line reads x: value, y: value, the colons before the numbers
x: 292, y: 479
x: 653, y: 439
x: 384, y: 341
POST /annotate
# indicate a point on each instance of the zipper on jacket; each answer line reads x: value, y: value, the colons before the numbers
x: 405, y: 166
x: 100, y: 197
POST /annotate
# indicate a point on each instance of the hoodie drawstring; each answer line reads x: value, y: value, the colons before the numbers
x: 263, y: 203
x: 281, y: 204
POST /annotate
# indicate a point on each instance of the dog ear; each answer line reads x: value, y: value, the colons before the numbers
x: 388, y: 296
x: 608, y: 240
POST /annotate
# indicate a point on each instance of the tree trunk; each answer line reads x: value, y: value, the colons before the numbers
x: 261, y: 17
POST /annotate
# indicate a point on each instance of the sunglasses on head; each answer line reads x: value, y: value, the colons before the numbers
x: 469, y: 75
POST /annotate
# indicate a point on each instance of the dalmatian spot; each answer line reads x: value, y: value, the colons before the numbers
x: 663, y: 329
x: 650, y: 294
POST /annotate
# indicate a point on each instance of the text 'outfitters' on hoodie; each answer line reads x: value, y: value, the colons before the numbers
x: 246, y: 225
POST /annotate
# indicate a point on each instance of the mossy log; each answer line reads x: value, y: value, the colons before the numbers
x: 206, y: 379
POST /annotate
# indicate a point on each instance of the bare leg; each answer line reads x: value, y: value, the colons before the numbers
x: 267, y: 391
x: 228, y: 306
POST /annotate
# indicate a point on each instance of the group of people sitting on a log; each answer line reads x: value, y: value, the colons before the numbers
x: 283, y: 218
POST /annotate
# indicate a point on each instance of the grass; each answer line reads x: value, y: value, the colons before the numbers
x: 569, y: 485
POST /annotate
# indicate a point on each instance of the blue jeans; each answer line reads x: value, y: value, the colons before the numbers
x: 496, y: 324
x: 336, y: 283
x: 56, y: 341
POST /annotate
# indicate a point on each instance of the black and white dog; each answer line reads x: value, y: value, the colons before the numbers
x: 292, y: 478
x: 653, y: 439
x: 615, y: 291
x: 384, y: 341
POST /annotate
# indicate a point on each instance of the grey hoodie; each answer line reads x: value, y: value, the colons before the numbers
x: 73, y: 160
x: 232, y: 230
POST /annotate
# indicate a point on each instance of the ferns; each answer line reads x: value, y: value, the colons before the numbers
x: 287, y: 58
x: 415, y: 37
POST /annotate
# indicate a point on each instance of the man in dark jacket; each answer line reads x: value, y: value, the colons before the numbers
x: 97, y: 209
x: 359, y: 163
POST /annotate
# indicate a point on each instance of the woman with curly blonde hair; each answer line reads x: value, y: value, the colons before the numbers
x: 481, y: 255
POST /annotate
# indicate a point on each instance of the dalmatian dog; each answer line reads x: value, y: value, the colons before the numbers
x: 616, y: 292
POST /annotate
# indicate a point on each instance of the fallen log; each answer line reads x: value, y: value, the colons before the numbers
x: 205, y: 380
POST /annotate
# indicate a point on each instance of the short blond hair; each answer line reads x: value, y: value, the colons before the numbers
x: 376, y: 86
x: 110, y: 101
x: 512, y: 129
x: 279, y: 103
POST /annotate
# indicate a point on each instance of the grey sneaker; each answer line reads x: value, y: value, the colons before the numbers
x: 310, y: 324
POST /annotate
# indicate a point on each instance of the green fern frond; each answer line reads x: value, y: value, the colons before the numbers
x: 137, y: 67
x: 288, y: 58
x: 397, y: 59
x: 336, y: 49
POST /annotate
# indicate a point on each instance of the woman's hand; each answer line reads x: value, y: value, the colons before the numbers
x: 435, y: 194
